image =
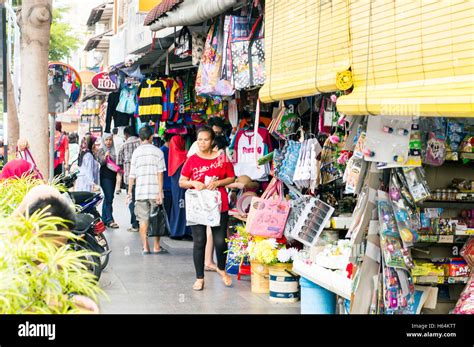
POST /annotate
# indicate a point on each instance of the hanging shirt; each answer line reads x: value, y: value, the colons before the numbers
x: 245, y: 160
x: 120, y: 119
x: 197, y: 169
x: 172, y: 87
x: 150, y: 104
x: 128, y: 97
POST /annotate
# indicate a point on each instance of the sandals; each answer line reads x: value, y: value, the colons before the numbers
x: 113, y: 225
x: 210, y: 268
x: 161, y: 251
x: 198, y: 285
x: 225, y: 278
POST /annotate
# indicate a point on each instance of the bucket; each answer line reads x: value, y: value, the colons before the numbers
x: 315, y: 299
x: 284, y: 286
x: 259, y: 278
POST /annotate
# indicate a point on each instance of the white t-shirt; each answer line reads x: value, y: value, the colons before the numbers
x: 246, y: 160
x: 147, y: 161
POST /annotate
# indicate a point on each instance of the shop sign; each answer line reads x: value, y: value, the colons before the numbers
x: 96, y: 132
x: 103, y: 83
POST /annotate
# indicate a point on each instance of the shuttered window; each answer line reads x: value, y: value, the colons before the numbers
x: 306, y: 45
x: 411, y: 58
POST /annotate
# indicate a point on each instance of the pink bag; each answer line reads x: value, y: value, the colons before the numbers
x: 112, y: 165
x: 268, y: 214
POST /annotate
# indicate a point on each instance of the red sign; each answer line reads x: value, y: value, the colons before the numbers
x: 103, y: 83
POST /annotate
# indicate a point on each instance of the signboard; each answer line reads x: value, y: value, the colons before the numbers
x: 147, y: 5
x: 96, y: 132
x: 103, y: 83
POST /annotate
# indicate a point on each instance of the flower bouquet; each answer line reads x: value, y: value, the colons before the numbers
x: 270, y: 251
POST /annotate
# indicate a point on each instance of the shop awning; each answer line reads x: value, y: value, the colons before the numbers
x: 306, y: 45
x: 191, y: 12
x: 100, y: 42
x: 160, y: 9
x: 101, y: 12
x: 411, y: 58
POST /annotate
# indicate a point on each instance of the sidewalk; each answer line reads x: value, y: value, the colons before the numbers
x: 162, y: 283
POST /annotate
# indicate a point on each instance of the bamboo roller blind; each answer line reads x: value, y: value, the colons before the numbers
x: 306, y: 45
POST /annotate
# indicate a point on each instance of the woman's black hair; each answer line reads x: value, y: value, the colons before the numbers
x: 220, y: 142
x: 206, y: 129
x: 87, y: 145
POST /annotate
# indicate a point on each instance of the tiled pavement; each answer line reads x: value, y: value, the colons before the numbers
x: 161, y: 284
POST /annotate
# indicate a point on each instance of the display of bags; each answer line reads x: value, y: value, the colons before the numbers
x: 248, y: 58
x: 268, y: 214
x: 203, y: 207
x: 183, y: 48
x: 159, y: 224
x: 198, y: 43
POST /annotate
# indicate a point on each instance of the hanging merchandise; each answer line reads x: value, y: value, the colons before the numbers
x: 305, y: 171
x: 415, y: 180
x: 353, y: 175
x: 414, y: 157
x: 208, y: 80
x: 268, y: 214
x: 327, y: 169
x: 198, y: 43
x: 183, y: 47
x: 455, y: 134
x: 290, y: 154
x: 388, y: 139
x: 127, y: 103
x: 248, y: 58
x: 150, y: 102
x: 434, y: 150
x: 284, y: 123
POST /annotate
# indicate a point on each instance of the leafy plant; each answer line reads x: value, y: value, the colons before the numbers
x: 62, y: 40
x: 238, y: 244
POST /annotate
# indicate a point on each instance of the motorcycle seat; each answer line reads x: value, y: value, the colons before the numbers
x: 83, y: 222
x: 81, y: 197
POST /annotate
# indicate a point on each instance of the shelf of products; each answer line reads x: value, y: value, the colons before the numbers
x: 465, y: 205
x: 328, y: 279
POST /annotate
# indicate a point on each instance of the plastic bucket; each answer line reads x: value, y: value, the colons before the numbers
x: 284, y: 286
x: 259, y: 278
x: 315, y: 299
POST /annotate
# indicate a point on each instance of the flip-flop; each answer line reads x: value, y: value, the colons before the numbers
x: 208, y: 268
x: 145, y: 252
x: 113, y: 225
x: 161, y: 251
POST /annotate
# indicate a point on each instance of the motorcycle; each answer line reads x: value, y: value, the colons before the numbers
x: 90, y: 231
x: 87, y: 202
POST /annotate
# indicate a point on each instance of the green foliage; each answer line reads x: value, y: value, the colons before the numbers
x: 38, y: 272
x: 62, y: 41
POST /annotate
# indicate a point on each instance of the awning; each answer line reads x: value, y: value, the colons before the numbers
x: 100, y: 42
x: 306, y: 45
x: 160, y: 9
x: 101, y: 12
x: 191, y: 12
x: 411, y: 58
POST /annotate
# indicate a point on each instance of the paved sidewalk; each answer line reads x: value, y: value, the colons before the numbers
x: 162, y: 283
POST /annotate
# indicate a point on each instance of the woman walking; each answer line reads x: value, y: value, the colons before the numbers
x: 207, y: 166
x: 89, y: 168
x: 108, y: 178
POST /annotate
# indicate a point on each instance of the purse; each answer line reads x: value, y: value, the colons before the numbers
x: 198, y: 42
x: 159, y: 224
x: 26, y: 155
x: 183, y: 44
x: 112, y: 165
x: 268, y: 214
x: 203, y: 207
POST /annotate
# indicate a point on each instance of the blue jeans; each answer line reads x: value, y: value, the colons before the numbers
x: 108, y: 186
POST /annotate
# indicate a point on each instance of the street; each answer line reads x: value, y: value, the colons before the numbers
x: 162, y: 284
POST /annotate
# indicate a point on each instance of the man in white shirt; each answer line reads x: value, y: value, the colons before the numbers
x: 146, y: 173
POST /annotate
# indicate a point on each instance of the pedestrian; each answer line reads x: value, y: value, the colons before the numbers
x: 168, y: 200
x: 61, y: 151
x: 176, y: 159
x: 118, y: 143
x: 208, y: 166
x: 124, y: 159
x: 18, y: 168
x: 146, y: 174
x: 107, y: 157
x: 74, y: 150
x: 89, y: 168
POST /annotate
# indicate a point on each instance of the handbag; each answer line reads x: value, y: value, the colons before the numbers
x: 26, y: 155
x: 268, y: 214
x: 159, y: 224
x: 203, y: 207
x: 248, y: 58
x: 198, y: 42
x: 112, y: 165
x: 183, y: 44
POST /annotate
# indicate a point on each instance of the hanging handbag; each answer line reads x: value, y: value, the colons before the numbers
x: 112, y: 165
x: 26, y: 155
x: 183, y: 48
x: 159, y: 224
x: 268, y: 214
x: 203, y: 207
x: 248, y: 58
x: 198, y: 43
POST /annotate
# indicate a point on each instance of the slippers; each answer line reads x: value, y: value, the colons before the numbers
x: 145, y: 252
x: 113, y: 225
x: 210, y: 268
x: 161, y: 251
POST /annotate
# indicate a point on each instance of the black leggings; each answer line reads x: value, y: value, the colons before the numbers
x: 200, y: 238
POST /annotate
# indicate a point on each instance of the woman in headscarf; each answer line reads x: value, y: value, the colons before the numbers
x: 176, y: 159
x: 18, y: 168
x: 89, y: 168
x: 108, y: 177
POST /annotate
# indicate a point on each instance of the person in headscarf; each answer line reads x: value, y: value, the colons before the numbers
x: 107, y: 159
x: 89, y: 168
x: 18, y: 168
x: 177, y: 157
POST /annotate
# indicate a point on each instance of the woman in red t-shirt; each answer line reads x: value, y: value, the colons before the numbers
x: 209, y: 166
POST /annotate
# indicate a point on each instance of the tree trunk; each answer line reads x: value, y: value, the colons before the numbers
x: 13, y: 125
x: 35, y: 24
